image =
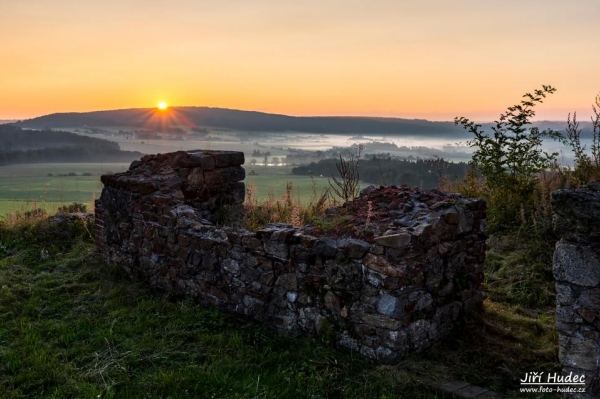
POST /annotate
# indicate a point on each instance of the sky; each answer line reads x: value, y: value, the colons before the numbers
x: 429, y: 59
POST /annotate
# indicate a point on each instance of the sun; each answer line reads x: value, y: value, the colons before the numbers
x: 162, y: 105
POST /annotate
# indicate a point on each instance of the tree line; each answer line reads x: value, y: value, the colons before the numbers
x: 388, y: 170
x: 30, y: 146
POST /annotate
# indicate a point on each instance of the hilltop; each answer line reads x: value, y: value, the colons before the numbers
x: 152, y: 118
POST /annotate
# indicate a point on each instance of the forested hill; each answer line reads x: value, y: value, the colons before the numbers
x: 30, y: 146
x: 151, y: 118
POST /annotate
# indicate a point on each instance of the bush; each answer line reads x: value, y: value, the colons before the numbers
x: 510, y: 160
x: 75, y: 207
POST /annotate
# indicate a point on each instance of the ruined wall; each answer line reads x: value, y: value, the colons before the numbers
x: 577, y: 271
x: 392, y: 280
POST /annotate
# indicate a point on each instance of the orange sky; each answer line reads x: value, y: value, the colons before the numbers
x: 432, y: 59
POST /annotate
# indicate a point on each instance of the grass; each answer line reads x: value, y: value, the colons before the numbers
x: 24, y: 187
x: 73, y: 327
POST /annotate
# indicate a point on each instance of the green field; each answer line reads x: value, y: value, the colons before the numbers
x: 25, y: 187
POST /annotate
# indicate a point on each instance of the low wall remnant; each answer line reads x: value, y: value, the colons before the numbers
x: 393, y: 280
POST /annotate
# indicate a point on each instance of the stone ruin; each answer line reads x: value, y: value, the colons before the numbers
x: 389, y: 278
x: 577, y: 271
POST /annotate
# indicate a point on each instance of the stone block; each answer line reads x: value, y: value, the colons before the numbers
x: 394, y: 240
x: 578, y: 353
x: 576, y: 264
x: 354, y: 248
x: 230, y: 174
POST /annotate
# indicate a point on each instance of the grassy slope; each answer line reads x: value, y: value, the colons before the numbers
x: 72, y: 326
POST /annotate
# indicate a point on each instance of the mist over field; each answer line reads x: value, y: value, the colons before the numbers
x: 56, y: 159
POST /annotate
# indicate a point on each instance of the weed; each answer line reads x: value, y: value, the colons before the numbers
x: 347, y: 188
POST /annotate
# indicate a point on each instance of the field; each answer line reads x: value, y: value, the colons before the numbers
x: 25, y: 187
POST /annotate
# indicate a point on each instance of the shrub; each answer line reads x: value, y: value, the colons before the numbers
x: 510, y: 160
x: 587, y: 166
x: 75, y: 207
x: 347, y: 188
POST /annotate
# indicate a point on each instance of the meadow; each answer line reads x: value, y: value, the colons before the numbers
x: 25, y: 187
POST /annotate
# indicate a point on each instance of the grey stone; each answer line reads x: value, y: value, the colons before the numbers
x: 381, y: 321
x: 578, y: 353
x: 564, y: 294
x: 288, y: 281
x: 394, y: 339
x: 567, y: 314
x: 344, y: 276
x: 291, y: 296
x: 354, y: 248
x: 202, y: 160
x: 381, y: 265
x: 577, y: 264
x: 589, y: 298
x: 418, y: 332
x: 276, y: 248
x: 394, y: 240
x: 347, y: 342
x: 325, y: 247
x: 387, y: 305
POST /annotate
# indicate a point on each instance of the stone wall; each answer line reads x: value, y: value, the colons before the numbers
x: 391, y: 274
x: 577, y: 271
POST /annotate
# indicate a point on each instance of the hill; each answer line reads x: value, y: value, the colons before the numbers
x: 32, y: 146
x: 150, y: 118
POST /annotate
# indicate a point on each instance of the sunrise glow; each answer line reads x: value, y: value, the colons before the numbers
x: 162, y: 105
x: 429, y: 59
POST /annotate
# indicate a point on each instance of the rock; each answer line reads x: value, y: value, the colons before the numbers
x: 354, y: 248
x: 451, y: 216
x: 576, y: 352
x: 381, y: 321
x: 367, y: 190
x: 276, y: 248
x: 287, y: 281
x: 419, y: 333
x: 381, y: 265
x: 577, y: 213
x: 394, y: 240
x: 387, y: 305
x: 325, y: 247
x: 589, y: 298
x: 564, y: 294
x: 576, y: 264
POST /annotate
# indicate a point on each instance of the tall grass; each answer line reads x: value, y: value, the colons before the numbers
x: 284, y: 209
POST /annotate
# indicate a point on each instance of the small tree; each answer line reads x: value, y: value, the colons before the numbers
x: 511, y: 158
x: 348, y: 187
